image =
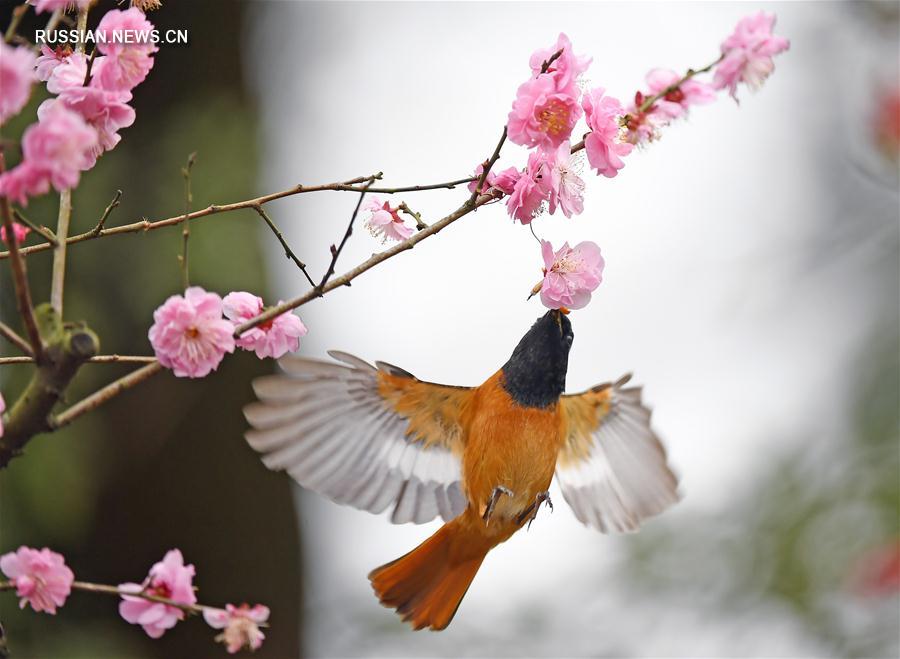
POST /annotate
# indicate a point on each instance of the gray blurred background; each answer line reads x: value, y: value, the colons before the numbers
x: 751, y: 285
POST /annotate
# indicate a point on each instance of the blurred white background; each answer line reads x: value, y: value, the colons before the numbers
x: 723, y: 291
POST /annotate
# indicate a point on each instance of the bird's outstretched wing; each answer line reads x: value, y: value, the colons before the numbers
x: 363, y: 436
x: 612, y: 468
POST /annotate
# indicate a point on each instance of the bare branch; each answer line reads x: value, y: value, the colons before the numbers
x: 336, y: 252
x: 109, y: 209
x: 414, y: 215
x: 11, y: 335
x: 99, y: 359
x: 105, y: 394
x: 20, y: 281
x: 186, y: 232
x: 43, y: 231
x: 288, y: 252
x: 352, y: 185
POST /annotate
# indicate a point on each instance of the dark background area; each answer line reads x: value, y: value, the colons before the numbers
x: 163, y: 465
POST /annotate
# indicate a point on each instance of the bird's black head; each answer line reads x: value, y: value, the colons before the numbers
x: 535, y: 375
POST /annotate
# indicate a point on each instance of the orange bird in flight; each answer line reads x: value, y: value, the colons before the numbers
x: 482, y: 458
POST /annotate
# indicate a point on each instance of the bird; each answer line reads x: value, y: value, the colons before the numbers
x: 482, y: 458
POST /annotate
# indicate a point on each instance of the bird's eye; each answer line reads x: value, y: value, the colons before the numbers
x: 569, y: 338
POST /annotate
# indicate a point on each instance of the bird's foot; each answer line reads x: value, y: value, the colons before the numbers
x: 492, y: 502
x: 529, y: 514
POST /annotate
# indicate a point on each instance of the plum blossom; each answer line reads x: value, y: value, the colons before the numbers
x: 55, y: 151
x: 171, y: 579
x: 107, y: 112
x: 386, y: 221
x: 565, y: 69
x: 49, y: 59
x: 126, y: 64
x: 571, y: 274
x: 604, y: 145
x: 274, y: 338
x: 19, y: 232
x: 41, y: 578
x: 565, y: 186
x: 747, y: 54
x: 16, y: 79
x: 240, y: 625
x: 530, y: 190
x: 543, y: 115
x: 503, y: 181
x: 2, y: 410
x: 69, y: 72
x: 189, y: 334
x: 675, y: 103
x: 41, y: 6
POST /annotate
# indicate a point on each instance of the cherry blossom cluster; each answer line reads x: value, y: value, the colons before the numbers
x: 42, y: 580
x: 90, y: 107
x: 191, y: 333
x: 544, y: 115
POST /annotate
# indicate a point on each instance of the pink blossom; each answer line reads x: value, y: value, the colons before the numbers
x: 241, y: 625
x: 604, y: 145
x: 676, y: 102
x: 570, y: 274
x: 127, y: 63
x: 643, y: 126
x: 565, y: 69
x: 107, y: 112
x: 52, y: 5
x: 274, y: 338
x: 543, y: 115
x: 50, y: 59
x: 19, y: 232
x: 171, y: 579
x: 565, y: 186
x: 16, y: 79
x: 41, y: 578
x: 502, y: 181
x: 189, y: 334
x: 530, y: 190
x: 55, y: 151
x: 2, y: 410
x: 69, y: 72
x: 747, y: 53
x: 386, y: 221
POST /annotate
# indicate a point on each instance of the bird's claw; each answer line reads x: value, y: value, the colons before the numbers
x: 530, y: 513
x: 492, y: 502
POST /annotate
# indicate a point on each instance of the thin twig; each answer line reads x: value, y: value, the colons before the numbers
x: 288, y: 252
x: 413, y: 214
x: 17, y: 14
x: 648, y: 102
x: 368, y: 264
x: 20, y: 280
x: 99, y: 359
x: 46, y: 233
x: 186, y: 231
x: 13, y: 337
x: 108, y: 392
x: 90, y: 65
x: 336, y: 251
x: 109, y: 209
x: 146, y: 225
x: 58, y: 276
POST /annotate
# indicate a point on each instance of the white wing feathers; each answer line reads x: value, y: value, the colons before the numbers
x: 622, y: 477
x: 328, y: 426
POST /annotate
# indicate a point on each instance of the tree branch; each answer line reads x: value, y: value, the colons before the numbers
x: 186, y: 231
x: 368, y: 264
x: 352, y: 185
x: 10, y: 334
x: 336, y: 252
x: 99, y: 359
x: 288, y: 252
x: 20, y: 282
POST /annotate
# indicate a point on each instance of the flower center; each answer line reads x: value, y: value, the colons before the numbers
x: 675, y: 96
x: 192, y: 332
x: 161, y: 590
x: 554, y: 118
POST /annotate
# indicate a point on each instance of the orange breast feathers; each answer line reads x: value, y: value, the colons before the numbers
x: 508, y: 445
